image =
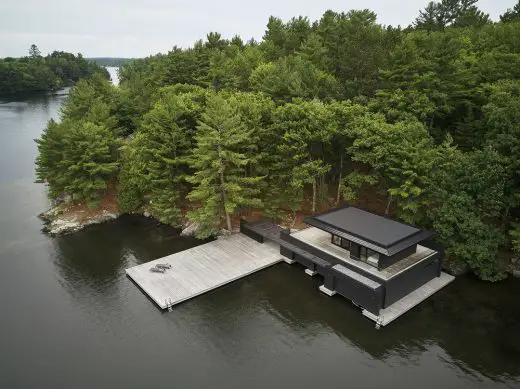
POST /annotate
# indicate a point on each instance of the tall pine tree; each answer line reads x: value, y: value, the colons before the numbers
x: 221, y: 184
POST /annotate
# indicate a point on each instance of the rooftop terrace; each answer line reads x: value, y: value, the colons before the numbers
x: 321, y: 240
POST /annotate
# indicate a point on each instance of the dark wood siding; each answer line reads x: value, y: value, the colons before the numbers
x: 360, y: 290
x: 410, y: 279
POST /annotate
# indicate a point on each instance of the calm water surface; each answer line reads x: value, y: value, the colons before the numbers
x: 70, y: 318
x: 113, y: 74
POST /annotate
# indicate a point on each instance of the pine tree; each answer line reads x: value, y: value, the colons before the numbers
x: 34, y: 52
x: 221, y: 184
x: 307, y: 128
x: 77, y: 158
x: 512, y: 14
x: 164, y: 144
x: 89, y: 160
x: 50, y: 155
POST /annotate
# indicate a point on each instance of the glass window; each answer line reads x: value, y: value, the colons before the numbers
x: 363, y: 253
x: 369, y: 256
x: 336, y: 240
x: 372, y: 258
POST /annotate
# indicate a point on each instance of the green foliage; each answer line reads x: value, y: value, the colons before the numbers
x: 512, y: 14
x: 163, y: 146
x: 79, y: 155
x: 515, y: 237
x: 292, y: 77
x: 469, y: 239
x: 77, y: 158
x: 89, y: 160
x: 424, y: 118
x: 357, y: 48
x: 221, y: 183
x: 50, y: 155
x: 399, y: 156
x: 40, y: 74
x: 467, y: 201
x: 307, y: 128
x: 92, y: 100
x: 109, y: 61
x: 130, y: 188
x: 34, y: 51
x: 457, y: 13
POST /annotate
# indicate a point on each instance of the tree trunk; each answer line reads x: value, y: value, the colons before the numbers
x: 505, y: 217
x: 223, y: 193
x: 387, y: 211
x: 314, y: 195
x: 339, y: 179
x: 224, y: 198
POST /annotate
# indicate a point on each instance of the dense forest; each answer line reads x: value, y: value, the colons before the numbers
x: 109, y: 61
x: 35, y: 73
x: 424, y: 122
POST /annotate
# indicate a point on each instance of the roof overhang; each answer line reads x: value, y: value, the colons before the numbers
x: 354, y: 236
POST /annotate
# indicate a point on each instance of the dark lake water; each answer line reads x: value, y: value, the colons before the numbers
x: 70, y: 318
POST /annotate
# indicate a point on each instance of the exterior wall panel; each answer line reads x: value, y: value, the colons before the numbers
x: 365, y: 293
x: 410, y: 279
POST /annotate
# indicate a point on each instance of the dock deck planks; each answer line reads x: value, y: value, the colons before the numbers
x: 203, y: 268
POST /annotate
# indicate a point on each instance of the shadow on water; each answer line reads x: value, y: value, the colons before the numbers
x: 99, y: 254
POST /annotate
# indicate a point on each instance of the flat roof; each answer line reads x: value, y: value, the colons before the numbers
x: 374, y: 228
x: 382, y: 234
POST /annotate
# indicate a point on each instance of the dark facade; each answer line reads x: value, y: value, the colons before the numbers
x: 368, y: 239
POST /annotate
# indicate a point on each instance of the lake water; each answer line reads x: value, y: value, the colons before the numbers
x: 113, y: 74
x: 70, y: 317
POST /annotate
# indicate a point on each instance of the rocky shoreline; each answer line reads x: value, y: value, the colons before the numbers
x: 63, y: 219
x: 59, y: 222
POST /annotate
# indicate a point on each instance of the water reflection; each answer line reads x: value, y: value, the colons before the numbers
x: 96, y: 257
x: 471, y: 332
x: 464, y: 319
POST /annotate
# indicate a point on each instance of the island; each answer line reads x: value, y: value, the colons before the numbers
x: 419, y: 124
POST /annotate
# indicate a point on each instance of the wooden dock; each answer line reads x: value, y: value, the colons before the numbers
x: 400, y: 307
x: 203, y: 268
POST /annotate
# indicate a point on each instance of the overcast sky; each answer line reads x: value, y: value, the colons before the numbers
x: 137, y: 28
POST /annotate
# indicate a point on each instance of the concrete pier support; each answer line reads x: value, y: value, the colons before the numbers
x: 311, y: 273
x: 327, y: 291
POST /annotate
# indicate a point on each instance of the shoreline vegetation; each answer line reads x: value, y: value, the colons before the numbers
x: 109, y: 61
x: 419, y: 123
x: 36, y: 73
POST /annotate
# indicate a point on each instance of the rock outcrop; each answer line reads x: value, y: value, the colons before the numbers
x: 62, y: 221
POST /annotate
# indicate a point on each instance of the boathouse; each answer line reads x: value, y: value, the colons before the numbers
x: 383, y: 266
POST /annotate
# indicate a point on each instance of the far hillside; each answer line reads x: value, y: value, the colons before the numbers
x: 109, y: 61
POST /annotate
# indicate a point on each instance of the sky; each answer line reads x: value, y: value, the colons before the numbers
x: 138, y: 28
